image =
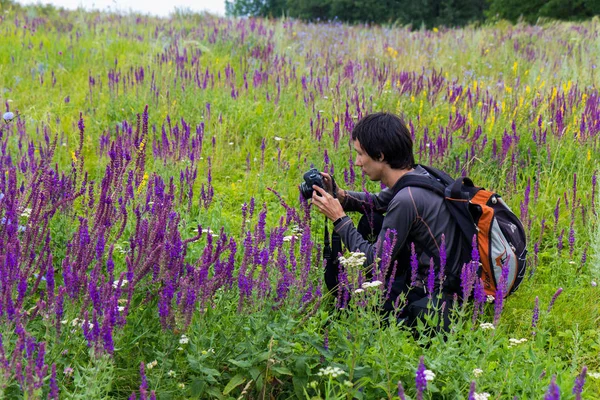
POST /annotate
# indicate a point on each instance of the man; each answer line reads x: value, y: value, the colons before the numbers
x: 384, y: 152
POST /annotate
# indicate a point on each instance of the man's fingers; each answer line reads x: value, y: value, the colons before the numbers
x: 320, y: 190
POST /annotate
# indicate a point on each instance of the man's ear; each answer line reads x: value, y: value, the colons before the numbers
x: 381, y: 158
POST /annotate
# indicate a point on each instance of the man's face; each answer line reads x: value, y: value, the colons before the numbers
x: 372, y: 168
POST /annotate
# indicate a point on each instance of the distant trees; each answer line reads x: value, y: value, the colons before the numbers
x: 429, y: 13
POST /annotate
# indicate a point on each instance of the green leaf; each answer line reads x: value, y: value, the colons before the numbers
x: 241, y: 364
x: 299, y: 386
x: 255, y: 373
x: 197, y: 387
x: 214, y: 392
x: 282, y: 371
x: 233, y: 383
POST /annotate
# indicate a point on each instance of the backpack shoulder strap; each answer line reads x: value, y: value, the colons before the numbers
x: 437, y: 181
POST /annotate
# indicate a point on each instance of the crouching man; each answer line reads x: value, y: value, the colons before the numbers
x: 384, y: 152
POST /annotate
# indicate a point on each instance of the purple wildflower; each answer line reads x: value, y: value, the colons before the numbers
x: 553, y: 392
x: 414, y: 265
x: 556, y: 294
x: 579, y: 382
x: 443, y: 258
x: 479, y: 295
x: 556, y: 213
x: 559, y: 245
x: 500, y: 294
x: 472, y: 391
x: 420, y: 379
x: 536, y: 314
x: 144, y: 384
x: 431, y: 278
x: 571, y: 241
x: 54, y: 386
x: 401, y: 391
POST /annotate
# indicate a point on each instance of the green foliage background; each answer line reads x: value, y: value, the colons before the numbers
x: 428, y: 13
x: 525, y: 74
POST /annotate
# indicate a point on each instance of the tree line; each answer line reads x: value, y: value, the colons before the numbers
x: 428, y: 13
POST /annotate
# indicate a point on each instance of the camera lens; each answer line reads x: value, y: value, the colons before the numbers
x: 311, y: 177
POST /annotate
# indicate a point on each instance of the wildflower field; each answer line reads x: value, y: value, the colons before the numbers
x: 153, y: 243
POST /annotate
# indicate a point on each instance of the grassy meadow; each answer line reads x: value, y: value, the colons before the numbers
x: 153, y: 243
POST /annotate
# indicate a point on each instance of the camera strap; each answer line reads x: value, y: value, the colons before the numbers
x: 332, y: 246
x: 326, y: 243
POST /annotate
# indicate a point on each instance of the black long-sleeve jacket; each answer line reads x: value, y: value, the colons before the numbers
x: 418, y: 216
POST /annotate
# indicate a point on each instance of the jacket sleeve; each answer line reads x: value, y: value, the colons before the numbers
x: 361, y: 201
x: 401, y: 214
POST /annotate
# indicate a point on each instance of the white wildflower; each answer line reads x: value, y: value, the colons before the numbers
x: 594, y: 375
x: 205, y: 352
x: 429, y: 375
x: 75, y: 322
x: 296, y: 230
x: 120, y: 308
x: 487, y: 325
x: 477, y: 372
x: 64, y: 321
x: 490, y: 298
x: 184, y: 339
x: 516, y: 342
x: 594, y: 284
x: 289, y: 238
x: 116, y: 283
x: 277, y: 138
x: 171, y: 373
x: 26, y: 212
x: 359, y: 290
x: 180, y: 348
x: 334, y: 372
x: 355, y: 259
x: 481, y: 396
x: 152, y: 364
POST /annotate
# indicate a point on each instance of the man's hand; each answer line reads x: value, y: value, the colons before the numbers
x: 328, y: 184
x: 326, y: 204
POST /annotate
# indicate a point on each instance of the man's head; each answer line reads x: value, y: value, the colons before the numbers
x: 382, y: 138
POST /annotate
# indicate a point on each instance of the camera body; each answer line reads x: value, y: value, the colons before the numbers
x: 311, y: 177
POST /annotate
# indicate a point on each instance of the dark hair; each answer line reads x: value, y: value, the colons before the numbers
x: 385, y: 134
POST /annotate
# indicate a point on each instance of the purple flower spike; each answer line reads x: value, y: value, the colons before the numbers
x: 414, y: 265
x: 472, y: 391
x: 401, y: 391
x: 553, y: 392
x: 144, y: 384
x: 431, y: 278
x: 443, y: 258
x: 556, y: 294
x: 420, y: 379
x: 579, y: 382
x: 536, y: 314
x: 54, y: 387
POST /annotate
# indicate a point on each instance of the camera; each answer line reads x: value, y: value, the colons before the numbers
x: 312, y: 177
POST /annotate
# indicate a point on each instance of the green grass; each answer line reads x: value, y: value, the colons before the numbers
x: 267, y: 349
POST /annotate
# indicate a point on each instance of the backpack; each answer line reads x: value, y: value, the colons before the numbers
x: 480, y: 213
